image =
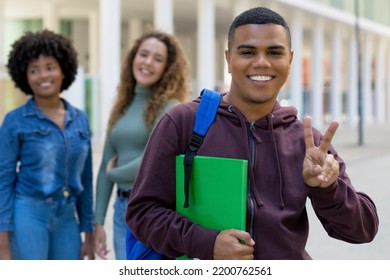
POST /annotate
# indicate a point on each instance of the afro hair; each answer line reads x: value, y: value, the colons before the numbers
x: 34, y: 44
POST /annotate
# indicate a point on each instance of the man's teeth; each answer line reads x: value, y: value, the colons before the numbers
x: 260, y: 78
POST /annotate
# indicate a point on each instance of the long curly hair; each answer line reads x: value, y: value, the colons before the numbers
x: 34, y: 44
x: 174, y: 84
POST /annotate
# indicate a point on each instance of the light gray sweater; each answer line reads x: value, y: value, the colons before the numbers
x: 127, y: 139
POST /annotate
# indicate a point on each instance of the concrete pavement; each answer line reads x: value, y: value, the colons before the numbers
x: 368, y: 166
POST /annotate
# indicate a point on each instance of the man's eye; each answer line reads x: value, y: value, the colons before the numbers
x: 275, y: 53
x: 247, y: 53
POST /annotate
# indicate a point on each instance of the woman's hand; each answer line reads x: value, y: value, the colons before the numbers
x: 100, y: 242
x: 87, y: 249
x: 112, y: 163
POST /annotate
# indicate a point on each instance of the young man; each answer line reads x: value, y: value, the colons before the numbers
x: 289, y: 161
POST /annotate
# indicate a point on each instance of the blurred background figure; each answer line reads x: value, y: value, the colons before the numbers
x: 45, y: 157
x: 155, y: 77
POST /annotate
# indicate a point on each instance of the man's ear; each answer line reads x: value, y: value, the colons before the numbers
x: 227, y: 58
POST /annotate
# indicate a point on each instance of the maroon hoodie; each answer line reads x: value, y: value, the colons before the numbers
x: 276, y: 205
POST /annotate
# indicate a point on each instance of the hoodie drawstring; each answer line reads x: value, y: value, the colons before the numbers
x: 271, y: 127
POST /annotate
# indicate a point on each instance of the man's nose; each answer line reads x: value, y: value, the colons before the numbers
x: 262, y: 60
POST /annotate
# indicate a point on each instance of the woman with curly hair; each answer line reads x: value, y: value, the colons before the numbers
x: 45, y: 157
x: 154, y: 78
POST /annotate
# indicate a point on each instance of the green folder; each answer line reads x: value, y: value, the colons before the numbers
x: 218, y: 191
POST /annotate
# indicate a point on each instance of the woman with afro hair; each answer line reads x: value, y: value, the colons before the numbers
x: 45, y: 157
x: 154, y: 78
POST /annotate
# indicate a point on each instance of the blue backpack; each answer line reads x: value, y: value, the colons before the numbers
x: 205, y: 115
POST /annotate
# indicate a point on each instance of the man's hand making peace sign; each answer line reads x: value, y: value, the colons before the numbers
x: 320, y: 169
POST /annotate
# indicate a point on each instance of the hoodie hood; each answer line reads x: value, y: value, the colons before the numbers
x: 280, y: 115
x: 283, y: 115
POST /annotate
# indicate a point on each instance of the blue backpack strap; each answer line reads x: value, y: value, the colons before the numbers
x: 204, y: 117
x: 207, y: 111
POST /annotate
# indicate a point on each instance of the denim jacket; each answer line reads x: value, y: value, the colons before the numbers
x: 38, y: 159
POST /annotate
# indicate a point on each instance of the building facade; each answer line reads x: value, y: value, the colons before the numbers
x: 340, y: 70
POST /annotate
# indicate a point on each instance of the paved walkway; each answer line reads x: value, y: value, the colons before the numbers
x: 369, y: 169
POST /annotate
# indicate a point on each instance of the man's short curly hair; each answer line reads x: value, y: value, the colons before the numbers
x: 34, y: 44
x: 258, y: 15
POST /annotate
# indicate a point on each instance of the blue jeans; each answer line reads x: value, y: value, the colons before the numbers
x: 120, y: 226
x: 45, y: 229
